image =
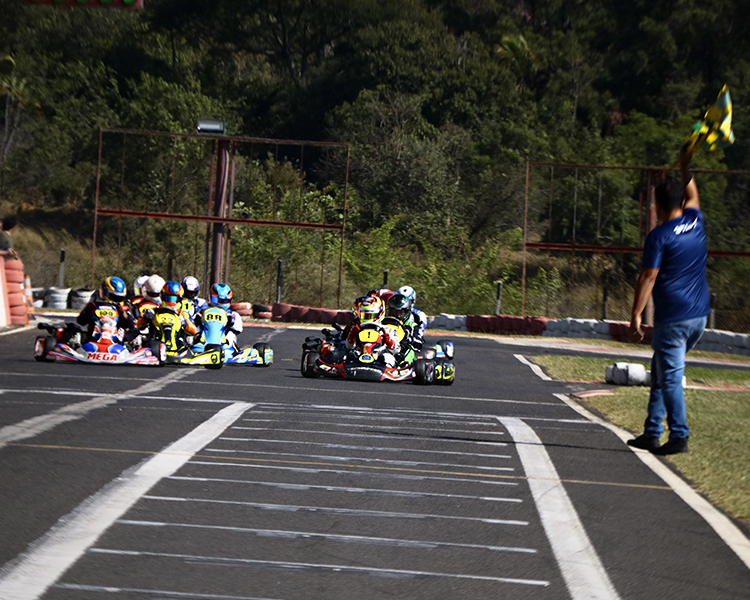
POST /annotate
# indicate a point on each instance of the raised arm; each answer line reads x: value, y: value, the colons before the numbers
x: 690, y: 194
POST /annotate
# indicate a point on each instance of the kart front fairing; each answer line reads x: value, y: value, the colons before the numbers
x: 116, y: 354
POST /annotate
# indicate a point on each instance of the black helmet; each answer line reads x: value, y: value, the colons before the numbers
x: 399, y: 306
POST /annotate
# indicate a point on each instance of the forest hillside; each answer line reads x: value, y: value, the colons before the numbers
x: 442, y: 102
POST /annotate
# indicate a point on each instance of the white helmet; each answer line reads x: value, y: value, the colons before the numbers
x: 138, y: 285
x: 409, y: 293
x: 152, y: 288
x: 191, y: 286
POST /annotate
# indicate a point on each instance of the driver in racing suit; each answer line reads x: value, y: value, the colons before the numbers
x: 419, y: 316
x: 170, y: 302
x: 371, y: 310
x: 105, y: 332
x: 220, y: 295
x: 399, y: 307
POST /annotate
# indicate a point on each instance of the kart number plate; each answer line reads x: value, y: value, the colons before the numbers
x: 105, y: 313
x: 214, y: 317
x: 368, y: 336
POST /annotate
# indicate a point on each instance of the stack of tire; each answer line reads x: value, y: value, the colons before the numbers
x: 80, y: 297
x: 16, y: 298
x: 247, y: 309
x: 57, y: 298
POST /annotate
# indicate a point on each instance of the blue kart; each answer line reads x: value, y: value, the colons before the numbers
x: 215, y: 325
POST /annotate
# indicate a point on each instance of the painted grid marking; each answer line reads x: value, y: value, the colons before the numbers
x: 29, y: 576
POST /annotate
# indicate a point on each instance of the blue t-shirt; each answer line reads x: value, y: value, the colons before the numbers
x: 678, y: 249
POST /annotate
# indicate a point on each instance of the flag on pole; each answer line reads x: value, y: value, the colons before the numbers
x: 715, y: 130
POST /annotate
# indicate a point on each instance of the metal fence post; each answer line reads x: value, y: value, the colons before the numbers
x: 499, y: 297
x: 62, y: 267
x: 385, y: 279
x: 279, y: 280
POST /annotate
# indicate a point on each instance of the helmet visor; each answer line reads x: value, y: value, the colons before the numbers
x: 170, y: 298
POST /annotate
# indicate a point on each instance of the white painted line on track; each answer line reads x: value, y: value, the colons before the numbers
x: 303, y: 487
x: 535, y: 368
x: 41, y: 423
x: 579, y: 563
x: 162, y: 594
x: 318, y: 471
x: 383, y: 428
x: 19, y: 330
x: 28, y: 576
x: 266, y: 337
x: 235, y: 562
x: 357, y: 539
x: 353, y: 459
x: 332, y: 510
x: 723, y: 526
x: 372, y: 436
x: 368, y: 448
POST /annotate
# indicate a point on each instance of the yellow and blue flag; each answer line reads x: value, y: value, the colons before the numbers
x: 715, y: 130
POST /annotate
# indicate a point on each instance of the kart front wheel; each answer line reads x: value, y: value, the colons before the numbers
x: 424, y: 371
x: 263, y: 350
x: 307, y: 368
x: 159, y: 350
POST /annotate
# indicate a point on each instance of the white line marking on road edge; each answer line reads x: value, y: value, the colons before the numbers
x: 727, y: 531
x: 19, y: 330
x: 39, y: 424
x: 581, y: 567
x: 535, y: 368
x: 233, y: 562
x: 29, y: 575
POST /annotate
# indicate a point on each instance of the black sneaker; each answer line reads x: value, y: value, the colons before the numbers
x: 673, y: 446
x: 645, y: 442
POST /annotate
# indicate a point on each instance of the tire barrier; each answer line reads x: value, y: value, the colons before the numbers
x: 292, y: 313
x: 80, y: 297
x: 57, y: 298
x: 15, y: 293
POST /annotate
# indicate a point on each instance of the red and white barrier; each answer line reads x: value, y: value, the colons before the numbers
x: 13, y: 309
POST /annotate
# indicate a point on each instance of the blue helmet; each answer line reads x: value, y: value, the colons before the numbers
x: 114, y: 289
x: 221, y: 295
x: 171, y: 295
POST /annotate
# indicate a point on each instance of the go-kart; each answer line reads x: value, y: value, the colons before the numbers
x: 212, y: 351
x: 369, y: 359
x: 65, y: 344
x: 215, y: 322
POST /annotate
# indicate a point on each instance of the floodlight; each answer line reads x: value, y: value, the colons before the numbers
x: 210, y: 126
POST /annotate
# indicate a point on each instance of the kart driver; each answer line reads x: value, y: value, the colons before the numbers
x: 370, y: 310
x: 419, y: 316
x: 220, y: 295
x: 399, y: 307
x: 190, y: 302
x: 170, y: 303
x: 107, y: 319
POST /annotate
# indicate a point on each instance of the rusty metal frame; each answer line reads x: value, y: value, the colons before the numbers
x: 233, y: 140
x: 608, y: 249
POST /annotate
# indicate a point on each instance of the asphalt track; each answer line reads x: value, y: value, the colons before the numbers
x: 252, y: 483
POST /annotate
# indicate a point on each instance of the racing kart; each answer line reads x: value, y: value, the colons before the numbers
x: 369, y: 359
x: 212, y: 350
x: 65, y: 344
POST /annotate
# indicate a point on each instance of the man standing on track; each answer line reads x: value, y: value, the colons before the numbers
x: 674, y: 269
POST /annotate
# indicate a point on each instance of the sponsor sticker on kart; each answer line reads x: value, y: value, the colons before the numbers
x: 102, y: 356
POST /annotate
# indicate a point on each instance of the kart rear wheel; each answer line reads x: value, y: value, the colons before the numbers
x: 159, y: 350
x: 447, y: 347
x: 424, y: 371
x: 49, y: 345
x: 307, y: 367
x: 261, y: 348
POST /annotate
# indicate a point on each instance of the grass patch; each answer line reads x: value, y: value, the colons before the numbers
x: 719, y: 457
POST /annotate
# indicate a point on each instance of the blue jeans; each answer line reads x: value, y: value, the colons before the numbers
x: 671, y: 342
